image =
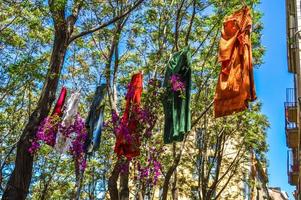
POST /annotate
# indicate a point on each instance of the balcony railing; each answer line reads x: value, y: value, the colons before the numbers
x: 292, y: 136
x: 290, y: 106
x: 291, y: 95
x: 292, y: 167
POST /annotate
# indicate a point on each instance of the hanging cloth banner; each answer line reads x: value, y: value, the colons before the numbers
x: 235, y: 87
x: 176, y: 105
x: 127, y: 140
x: 58, y: 109
x: 63, y: 142
x: 55, y: 118
x: 94, y: 121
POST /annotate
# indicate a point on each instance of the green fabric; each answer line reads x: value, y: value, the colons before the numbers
x: 177, y: 106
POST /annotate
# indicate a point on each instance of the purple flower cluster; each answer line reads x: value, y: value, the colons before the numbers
x: 78, y: 142
x: 35, y: 145
x: 177, y: 85
x: 46, y: 133
x: 77, y: 132
x: 119, y: 127
x: 143, y: 172
x: 152, y: 171
x: 157, y: 172
x: 124, y: 167
x: 147, y: 120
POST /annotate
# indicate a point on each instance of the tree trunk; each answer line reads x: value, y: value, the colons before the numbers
x: 124, y: 183
x: 168, y: 176
x: 174, y: 191
x: 112, y: 183
x: 19, y: 181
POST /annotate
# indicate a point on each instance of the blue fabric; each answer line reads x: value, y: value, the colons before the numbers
x: 94, y: 121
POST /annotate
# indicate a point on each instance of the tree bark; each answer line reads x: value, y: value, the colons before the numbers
x: 174, y: 190
x: 124, y: 183
x: 168, y: 176
x: 112, y: 183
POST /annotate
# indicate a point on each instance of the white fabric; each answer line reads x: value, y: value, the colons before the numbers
x: 63, y: 143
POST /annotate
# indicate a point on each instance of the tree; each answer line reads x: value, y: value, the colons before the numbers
x: 18, y: 185
x: 61, y: 50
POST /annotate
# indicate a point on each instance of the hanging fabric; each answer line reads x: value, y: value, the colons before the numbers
x: 235, y: 87
x: 49, y: 126
x: 94, y: 121
x: 127, y: 140
x: 63, y: 141
x: 58, y: 109
x: 176, y: 105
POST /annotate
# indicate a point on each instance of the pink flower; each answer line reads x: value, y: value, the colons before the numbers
x: 177, y: 85
x: 77, y: 132
x: 46, y: 133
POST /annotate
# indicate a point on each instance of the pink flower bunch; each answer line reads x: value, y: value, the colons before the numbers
x: 156, y: 169
x: 118, y: 126
x: 177, y: 85
x: 46, y: 133
x: 152, y: 171
x: 35, y: 145
x: 124, y: 168
x: 77, y: 132
x: 78, y: 142
x: 147, y: 120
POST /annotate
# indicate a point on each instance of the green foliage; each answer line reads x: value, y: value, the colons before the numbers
x: 145, y: 43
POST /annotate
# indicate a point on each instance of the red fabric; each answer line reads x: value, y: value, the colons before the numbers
x: 58, y: 109
x: 127, y: 140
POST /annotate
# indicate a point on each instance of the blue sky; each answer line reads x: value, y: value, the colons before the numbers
x: 272, y: 79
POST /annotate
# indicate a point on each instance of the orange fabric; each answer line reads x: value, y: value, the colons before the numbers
x: 235, y: 87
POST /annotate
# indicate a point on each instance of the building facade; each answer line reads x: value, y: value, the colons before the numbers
x: 292, y: 104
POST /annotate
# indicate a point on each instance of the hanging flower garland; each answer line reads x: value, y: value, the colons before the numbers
x: 148, y: 165
x: 148, y: 172
x: 76, y: 132
x: 68, y: 133
x: 46, y: 133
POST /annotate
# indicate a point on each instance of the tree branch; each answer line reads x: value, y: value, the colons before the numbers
x: 106, y: 23
x: 8, y: 24
x: 202, y: 114
x: 190, y: 24
x: 177, y: 25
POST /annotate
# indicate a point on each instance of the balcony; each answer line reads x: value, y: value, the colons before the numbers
x: 291, y: 106
x: 291, y: 130
x: 292, y: 168
x: 291, y: 119
x: 291, y: 111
